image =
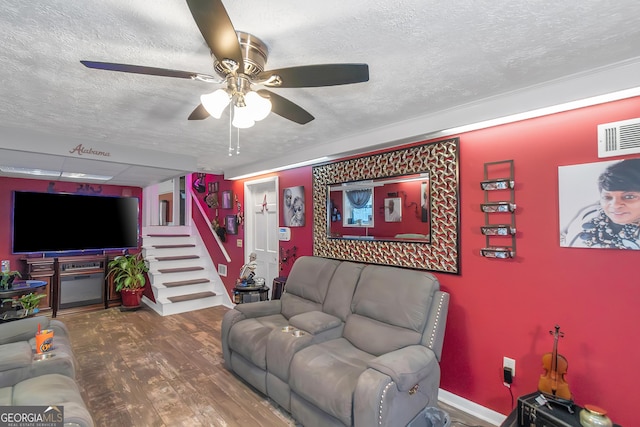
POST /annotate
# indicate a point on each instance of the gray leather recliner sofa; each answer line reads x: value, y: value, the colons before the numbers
x: 369, y: 350
x: 27, y: 381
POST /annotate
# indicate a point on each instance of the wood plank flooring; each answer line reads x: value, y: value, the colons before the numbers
x: 139, y: 369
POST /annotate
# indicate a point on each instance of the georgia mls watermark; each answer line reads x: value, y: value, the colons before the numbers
x: 31, y: 416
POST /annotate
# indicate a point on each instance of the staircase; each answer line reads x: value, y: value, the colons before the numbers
x: 181, y: 274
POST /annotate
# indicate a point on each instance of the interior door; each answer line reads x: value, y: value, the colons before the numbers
x: 261, y: 228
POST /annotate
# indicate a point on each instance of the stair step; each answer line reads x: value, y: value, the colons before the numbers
x: 168, y: 235
x: 185, y: 282
x: 176, y: 258
x: 179, y: 269
x: 173, y: 246
x: 190, y: 297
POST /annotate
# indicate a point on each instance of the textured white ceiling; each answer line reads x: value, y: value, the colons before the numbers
x: 433, y: 65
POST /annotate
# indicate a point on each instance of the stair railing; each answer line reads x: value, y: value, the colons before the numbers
x: 194, y: 201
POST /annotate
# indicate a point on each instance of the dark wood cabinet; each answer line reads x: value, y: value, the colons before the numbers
x: 43, y: 269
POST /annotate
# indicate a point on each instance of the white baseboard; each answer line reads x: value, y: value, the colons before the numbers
x: 471, y: 408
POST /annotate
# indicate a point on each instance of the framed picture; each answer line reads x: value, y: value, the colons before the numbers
x: 424, y: 201
x: 231, y: 224
x: 293, y: 212
x: 226, y: 199
x: 599, y: 204
x: 393, y: 209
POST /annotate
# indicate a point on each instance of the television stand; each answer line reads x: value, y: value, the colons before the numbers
x: 73, y: 283
x: 80, y: 282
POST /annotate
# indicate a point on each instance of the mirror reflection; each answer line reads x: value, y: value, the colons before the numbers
x: 394, y: 208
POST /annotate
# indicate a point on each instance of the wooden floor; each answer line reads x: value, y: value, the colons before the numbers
x: 139, y: 369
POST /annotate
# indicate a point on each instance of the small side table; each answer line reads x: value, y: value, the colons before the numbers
x: 553, y: 415
x: 8, y: 309
x: 242, y: 294
x: 278, y: 287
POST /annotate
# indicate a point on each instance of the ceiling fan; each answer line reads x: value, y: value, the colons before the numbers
x: 239, y: 61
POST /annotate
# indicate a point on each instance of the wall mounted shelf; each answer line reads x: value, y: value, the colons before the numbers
x: 497, y: 184
x: 498, y: 230
x: 497, y: 191
x: 498, y: 252
x: 494, y: 207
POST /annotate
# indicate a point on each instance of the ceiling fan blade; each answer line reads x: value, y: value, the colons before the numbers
x: 287, y: 109
x: 316, y: 75
x: 139, y: 69
x: 216, y: 28
x: 200, y: 113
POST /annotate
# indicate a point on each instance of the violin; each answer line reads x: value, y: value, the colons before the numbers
x: 555, y: 365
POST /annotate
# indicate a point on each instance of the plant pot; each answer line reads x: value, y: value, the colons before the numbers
x: 131, y: 297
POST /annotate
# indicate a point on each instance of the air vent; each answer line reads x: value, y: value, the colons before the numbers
x: 619, y: 138
x: 222, y: 270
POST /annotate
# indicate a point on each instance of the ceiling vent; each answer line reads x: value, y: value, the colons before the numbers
x: 619, y: 138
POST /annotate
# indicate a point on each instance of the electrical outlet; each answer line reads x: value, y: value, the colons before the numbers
x: 509, y: 363
x: 239, y: 243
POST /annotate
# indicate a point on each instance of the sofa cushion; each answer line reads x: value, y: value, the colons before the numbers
x: 326, y: 375
x: 53, y: 390
x: 341, y: 289
x: 15, y: 355
x: 6, y: 396
x: 307, y: 285
x: 377, y: 338
x: 390, y: 304
x: 62, y: 361
x: 249, y: 338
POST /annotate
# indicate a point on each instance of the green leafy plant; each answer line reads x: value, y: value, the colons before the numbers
x: 128, y: 271
x: 7, y: 278
x: 31, y: 301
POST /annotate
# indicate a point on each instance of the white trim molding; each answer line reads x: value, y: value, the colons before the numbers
x: 471, y: 408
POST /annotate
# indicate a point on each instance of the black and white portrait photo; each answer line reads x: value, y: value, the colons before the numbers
x: 293, y: 210
x: 600, y: 204
x: 393, y: 209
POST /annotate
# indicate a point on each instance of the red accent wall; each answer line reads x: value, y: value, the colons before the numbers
x: 507, y: 307
x: 8, y: 185
x: 301, y: 237
x: 235, y: 253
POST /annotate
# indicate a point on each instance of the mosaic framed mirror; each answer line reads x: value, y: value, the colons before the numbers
x: 410, y: 217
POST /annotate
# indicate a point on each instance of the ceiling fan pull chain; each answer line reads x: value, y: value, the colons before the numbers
x: 230, y: 133
x: 238, y: 143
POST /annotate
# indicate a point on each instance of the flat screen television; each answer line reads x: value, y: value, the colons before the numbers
x: 60, y: 222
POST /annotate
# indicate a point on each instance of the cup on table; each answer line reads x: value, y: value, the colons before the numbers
x: 44, y: 341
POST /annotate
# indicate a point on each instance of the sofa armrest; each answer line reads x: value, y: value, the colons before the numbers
x: 315, y: 322
x: 15, y: 355
x: 406, y: 366
x: 260, y: 308
x: 23, y: 329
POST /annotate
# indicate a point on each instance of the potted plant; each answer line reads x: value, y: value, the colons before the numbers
x: 30, y: 302
x: 7, y: 278
x: 129, y: 275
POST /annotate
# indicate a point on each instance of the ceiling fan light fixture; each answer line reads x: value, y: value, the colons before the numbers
x: 242, y: 117
x: 215, y: 102
x: 259, y: 107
